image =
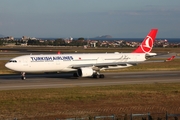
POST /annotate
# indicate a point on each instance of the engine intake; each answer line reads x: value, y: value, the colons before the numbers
x: 85, y: 72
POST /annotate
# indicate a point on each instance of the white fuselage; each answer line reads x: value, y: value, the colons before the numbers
x: 65, y: 62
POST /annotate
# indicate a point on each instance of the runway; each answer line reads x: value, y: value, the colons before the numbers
x: 35, y: 81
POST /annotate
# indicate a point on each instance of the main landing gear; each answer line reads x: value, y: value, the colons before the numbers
x: 23, y: 77
x: 98, y: 76
x: 95, y: 75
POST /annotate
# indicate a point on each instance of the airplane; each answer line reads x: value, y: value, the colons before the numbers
x: 83, y: 65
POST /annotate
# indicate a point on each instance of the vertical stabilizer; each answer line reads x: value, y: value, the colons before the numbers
x: 147, y: 44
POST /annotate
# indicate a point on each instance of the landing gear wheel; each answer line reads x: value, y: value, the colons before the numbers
x: 101, y: 76
x: 98, y: 76
x: 95, y: 76
x: 23, y: 76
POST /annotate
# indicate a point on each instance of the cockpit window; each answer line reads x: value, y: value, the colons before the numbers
x: 13, y: 61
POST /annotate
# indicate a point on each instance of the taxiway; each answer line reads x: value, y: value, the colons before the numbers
x: 35, y: 81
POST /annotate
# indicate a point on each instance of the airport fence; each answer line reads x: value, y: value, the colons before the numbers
x: 145, y: 116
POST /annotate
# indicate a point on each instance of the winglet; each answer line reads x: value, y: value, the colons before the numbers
x: 170, y: 59
x: 147, y: 44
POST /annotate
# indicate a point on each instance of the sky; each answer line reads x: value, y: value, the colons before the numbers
x: 89, y: 18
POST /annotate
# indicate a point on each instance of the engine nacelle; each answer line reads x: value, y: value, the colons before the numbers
x: 85, y: 72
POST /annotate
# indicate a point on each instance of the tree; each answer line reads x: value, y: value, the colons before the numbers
x: 81, y: 38
x: 33, y: 42
x: 59, y: 42
x: 1, y: 42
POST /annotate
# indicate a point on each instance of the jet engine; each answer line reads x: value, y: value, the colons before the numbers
x: 85, y: 72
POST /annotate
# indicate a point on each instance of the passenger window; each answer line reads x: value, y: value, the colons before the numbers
x: 13, y: 61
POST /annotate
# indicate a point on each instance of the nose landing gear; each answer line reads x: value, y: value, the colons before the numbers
x: 23, y: 77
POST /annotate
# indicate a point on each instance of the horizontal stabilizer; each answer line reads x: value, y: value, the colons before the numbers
x: 170, y: 59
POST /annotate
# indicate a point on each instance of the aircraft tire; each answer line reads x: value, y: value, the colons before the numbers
x: 23, y: 77
x: 95, y: 76
x: 101, y: 76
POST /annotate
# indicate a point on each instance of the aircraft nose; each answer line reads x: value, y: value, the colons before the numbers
x: 7, y: 65
x: 11, y: 66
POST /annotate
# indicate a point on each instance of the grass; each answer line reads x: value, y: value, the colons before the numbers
x: 155, y: 66
x: 84, y: 101
x: 3, y: 69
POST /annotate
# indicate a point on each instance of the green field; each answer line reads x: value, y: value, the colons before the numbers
x: 90, y: 101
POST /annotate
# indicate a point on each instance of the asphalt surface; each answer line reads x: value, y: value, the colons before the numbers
x: 35, y: 81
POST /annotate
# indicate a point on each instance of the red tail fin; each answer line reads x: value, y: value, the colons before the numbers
x: 147, y: 44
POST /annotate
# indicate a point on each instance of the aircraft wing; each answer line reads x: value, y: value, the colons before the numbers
x: 100, y: 65
x: 103, y: 64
